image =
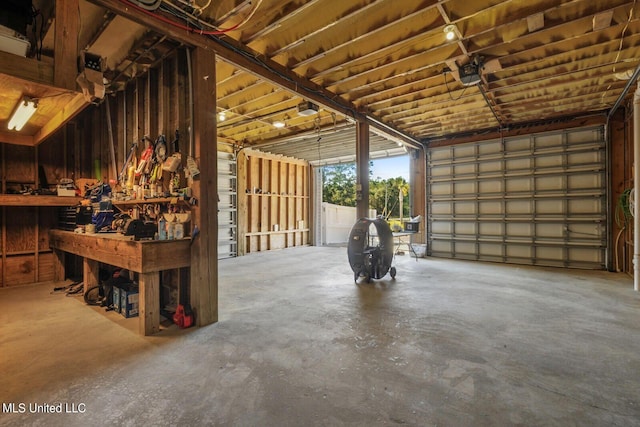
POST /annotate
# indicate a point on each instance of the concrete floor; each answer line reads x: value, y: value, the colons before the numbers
x: 448, y: 343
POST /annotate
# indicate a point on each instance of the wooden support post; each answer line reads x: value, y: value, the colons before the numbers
x: 204, y: 251
x: 362, y: 169
x: 65, y: 58
x: 58, y: 265
x: 149, y: 303
x: 90, y: 273
x: 418, y: 193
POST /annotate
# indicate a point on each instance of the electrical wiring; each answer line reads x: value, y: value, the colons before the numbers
x: 218, y: 31
x: 446, y: 83
x: 622, y: 209
x: 615, y: 61
x: 180, y: 14
x: 148, y: 5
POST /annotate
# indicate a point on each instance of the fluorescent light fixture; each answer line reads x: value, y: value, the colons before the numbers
x: 451, y: 32
x: 222, y: 116
x: 23, y: 112
x: 278, y: 124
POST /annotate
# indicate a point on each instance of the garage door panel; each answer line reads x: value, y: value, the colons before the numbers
x: 441, y: 227
x: 465, y: 208
x: 490, y: 208
x: 515, y: 185
x: 442, y: 208
x: 490, y: 229
x: 490, y: 186
x: 515, y: 165
x: 518, y: 229
x: 535, y: 199
x: 490, y: 168
x: 585, y: 207
x: 549, y: 183
x: 490, y: 250
x: 439, y: 189
x: 462, y: 228
x: 516, y: 253
x: 464, y: 187
x: 551, y: 161
x: 517, y: 145
x: 518, y: 207
x: 464, y: 169
x: 549, y: 207
x: 555, y: 231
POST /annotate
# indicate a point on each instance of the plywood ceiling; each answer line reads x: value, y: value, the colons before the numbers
x: 388, y: 60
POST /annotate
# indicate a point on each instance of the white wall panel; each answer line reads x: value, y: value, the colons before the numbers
x: 535, y: 199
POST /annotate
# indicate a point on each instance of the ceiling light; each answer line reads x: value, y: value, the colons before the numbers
x: 278, y: 124
x: 451, y: 32
x: 23, y: 112
x: 222, y: 116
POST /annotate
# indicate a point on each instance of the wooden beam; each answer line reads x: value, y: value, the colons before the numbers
x: 232, y: 51
x: 75, y: 106
x: 27, y: 69
x: 67, y: 25
x: 16, y: 138
x: 204, y: 251
x: 362, y: 169
x: 417, y: 195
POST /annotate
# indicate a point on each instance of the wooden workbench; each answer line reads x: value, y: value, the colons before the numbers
x: 145, y: 257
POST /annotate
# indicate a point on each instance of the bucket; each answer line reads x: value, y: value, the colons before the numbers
x: 419, y: 249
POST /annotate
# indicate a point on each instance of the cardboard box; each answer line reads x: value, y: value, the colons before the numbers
x: 116, y: 299
x: 129, y: 301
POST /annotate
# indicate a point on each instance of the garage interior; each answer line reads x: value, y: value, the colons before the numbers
x: 518, y: 121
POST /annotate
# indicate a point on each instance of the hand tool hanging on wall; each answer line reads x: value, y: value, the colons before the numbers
x: 173, y: 161
x: 144, y: 166
x: 159, y: 156
x: 122, y: 177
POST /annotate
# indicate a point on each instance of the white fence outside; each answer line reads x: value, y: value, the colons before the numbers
x: 337, y: 222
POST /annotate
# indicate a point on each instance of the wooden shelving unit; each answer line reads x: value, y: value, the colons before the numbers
x: 30, y: 200
x: 273, y: 201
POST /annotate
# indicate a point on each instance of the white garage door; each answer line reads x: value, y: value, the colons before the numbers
x: 227, y: 206
x: 537, y: 199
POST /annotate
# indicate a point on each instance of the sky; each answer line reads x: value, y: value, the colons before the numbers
x: 391, y: 167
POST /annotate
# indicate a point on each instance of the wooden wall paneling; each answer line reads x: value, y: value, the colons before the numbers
x: 119, y: 129
x: 242, y: 217
x: 291, y: 204
x: 45, y: 267
x: 145, y: 105
x: 264, y: 203
x: 282, y: 201
x: 49, y: 158
x: 154, y: 96
x: 21, y: 230
x: 20, y: 270
x: 305, y: 205
x: 19, y: 167
x: 254, y: 207
x: 276, y: 240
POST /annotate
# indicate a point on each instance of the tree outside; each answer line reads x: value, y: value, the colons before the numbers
x: 339, y: 188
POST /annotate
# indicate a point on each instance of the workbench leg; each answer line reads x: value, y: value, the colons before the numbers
x: 58, y: 265
x: 90, y: 273
x: 149, y: 300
